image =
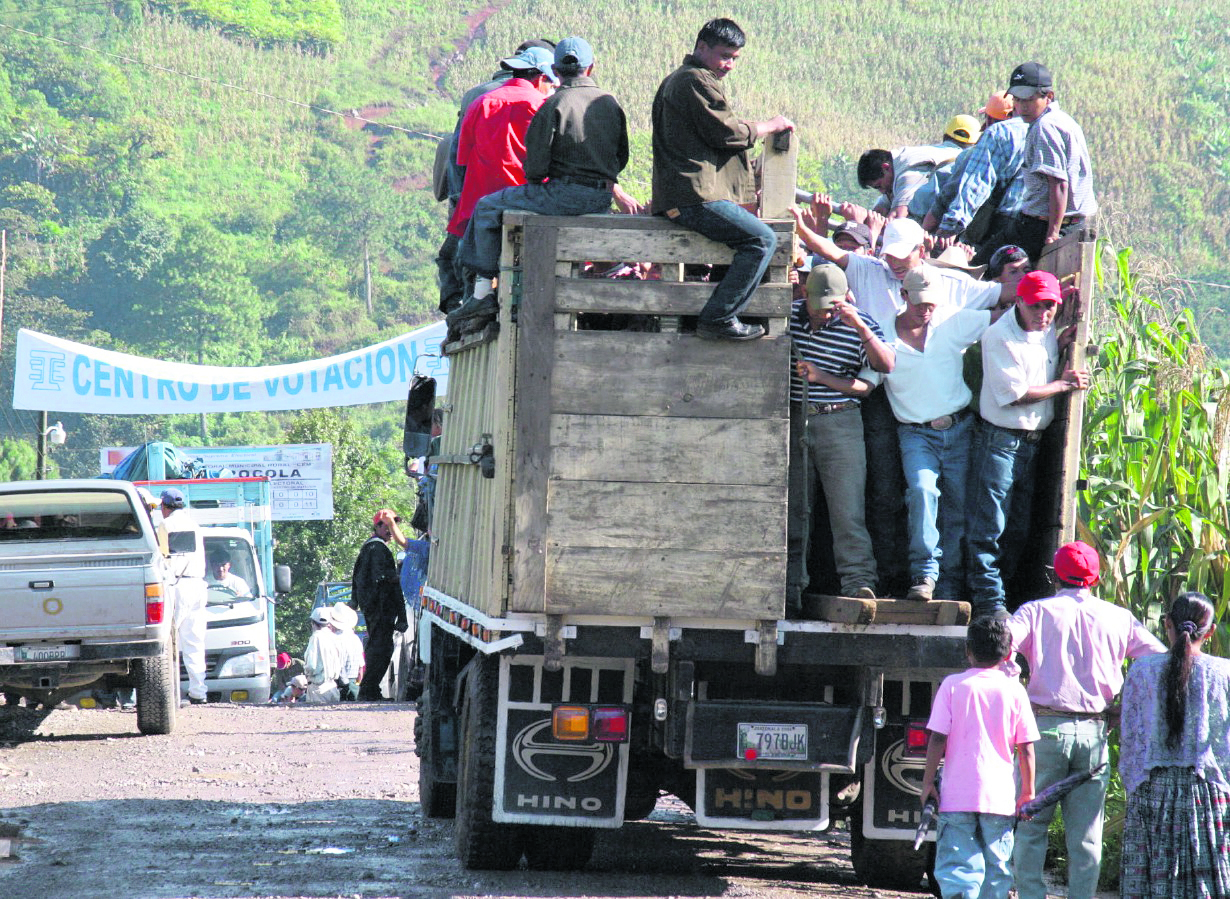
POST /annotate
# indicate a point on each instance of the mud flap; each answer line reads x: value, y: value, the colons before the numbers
x: 749, y: 799
x: 540, y: 780
x: 892, y: 785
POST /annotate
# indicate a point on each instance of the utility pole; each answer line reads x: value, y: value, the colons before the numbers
x: 4, y: 264
x: 40, y: 464
x: 200, y: 360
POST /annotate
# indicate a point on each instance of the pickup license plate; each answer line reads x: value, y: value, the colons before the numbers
x: 46, y: 653
x: 772, y: 742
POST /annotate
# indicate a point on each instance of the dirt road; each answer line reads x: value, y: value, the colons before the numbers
x: 316, y: 801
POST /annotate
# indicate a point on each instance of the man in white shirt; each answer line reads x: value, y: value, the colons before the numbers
x: 220, y: 575
x: 1020, y: 357
x: 930, y: 401
x: 322, y: 659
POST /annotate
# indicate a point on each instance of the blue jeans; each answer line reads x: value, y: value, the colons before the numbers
x: 935, y: 465
x: 480, y: 247
x: 972, y: 854
x: 998, y: 499
x: 753, y: 242
x: 1068, y: 746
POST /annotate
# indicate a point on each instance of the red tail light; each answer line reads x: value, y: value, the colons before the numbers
x: 916, y: 738
x: 153, y: 604
x: 610, y: 724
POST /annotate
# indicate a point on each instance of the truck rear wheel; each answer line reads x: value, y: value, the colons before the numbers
x: 437, y: 798
x: 480, y: 843
x: 887, y: 864
x: 157, y: 681
x: 559, y: 848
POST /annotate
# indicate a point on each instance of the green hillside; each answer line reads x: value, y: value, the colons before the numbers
x: 168, y: 191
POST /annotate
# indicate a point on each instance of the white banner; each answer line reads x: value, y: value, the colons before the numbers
x: 300, y: 474
x: 59, y: 375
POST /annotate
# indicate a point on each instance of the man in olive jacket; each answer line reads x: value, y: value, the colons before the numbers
x: 701, y: 175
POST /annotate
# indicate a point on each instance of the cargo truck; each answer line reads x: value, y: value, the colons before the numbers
x: 605, y: 618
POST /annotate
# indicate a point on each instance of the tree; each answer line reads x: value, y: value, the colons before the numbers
x: 365, y: 479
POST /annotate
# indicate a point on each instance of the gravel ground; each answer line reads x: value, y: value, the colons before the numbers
x: 307, y: 801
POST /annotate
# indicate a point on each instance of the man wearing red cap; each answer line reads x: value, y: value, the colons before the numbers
x: 376, y: 590
x: 1075, y: 646
x: 1020, y: 357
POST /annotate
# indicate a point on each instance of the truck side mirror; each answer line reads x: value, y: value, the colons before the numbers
x: 281, y: 579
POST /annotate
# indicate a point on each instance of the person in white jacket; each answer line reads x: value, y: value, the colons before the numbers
x: 188, y: 566
x: 322, y: 660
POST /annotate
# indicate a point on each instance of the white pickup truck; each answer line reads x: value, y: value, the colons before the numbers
x: 84, y: 594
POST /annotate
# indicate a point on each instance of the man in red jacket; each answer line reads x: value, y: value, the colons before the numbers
x: 491, y: 145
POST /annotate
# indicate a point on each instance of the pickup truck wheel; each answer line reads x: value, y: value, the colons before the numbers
x: 559, y: 848
x: 480, y: 843
x: 437, y: 798
x: 887, y: 864
x: 157, y: 681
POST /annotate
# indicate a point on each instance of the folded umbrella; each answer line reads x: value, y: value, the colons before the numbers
x: 929, y: 810
x: 1051, y: 794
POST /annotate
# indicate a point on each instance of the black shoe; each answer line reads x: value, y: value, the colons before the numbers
x: 472, y: 308
x: 194, y: 701
x: 734, y: 330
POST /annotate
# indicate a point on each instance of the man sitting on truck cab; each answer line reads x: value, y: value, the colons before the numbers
x: 220, y: 575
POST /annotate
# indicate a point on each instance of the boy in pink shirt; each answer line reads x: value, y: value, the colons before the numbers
x: 978, y: 719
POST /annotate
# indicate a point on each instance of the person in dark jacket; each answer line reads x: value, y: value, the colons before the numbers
x: 376, y: 590
x: 702, y: 178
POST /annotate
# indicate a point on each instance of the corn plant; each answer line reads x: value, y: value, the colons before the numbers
x: 1154, y: 502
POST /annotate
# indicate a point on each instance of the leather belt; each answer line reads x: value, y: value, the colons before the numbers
x: 1047, y: 711
x: 943, y: 423
x: 586, y: 182
x: 1027, y: 436
x: 829, y: 408
x: 1067, y: 219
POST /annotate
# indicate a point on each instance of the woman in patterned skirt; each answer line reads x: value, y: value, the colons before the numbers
x: 1175, y: 763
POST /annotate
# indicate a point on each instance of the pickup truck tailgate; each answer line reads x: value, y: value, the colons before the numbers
x: 45, y: 595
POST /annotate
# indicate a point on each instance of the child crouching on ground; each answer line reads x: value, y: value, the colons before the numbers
x: 979, y: 717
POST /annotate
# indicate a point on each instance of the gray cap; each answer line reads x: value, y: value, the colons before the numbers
x: 825, y: 286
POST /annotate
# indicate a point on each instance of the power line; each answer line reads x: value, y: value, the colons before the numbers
x: 38, y: 9
x: 1202, y: 283
x: 217, y: 83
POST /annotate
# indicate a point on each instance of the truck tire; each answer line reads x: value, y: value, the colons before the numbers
x: 157, y: 682
x: 480, y: 843
x: 887, y: 864
x: 437, y: 798
x: 558, y: 848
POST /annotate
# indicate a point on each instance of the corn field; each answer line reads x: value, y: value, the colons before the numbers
x: 1155, y: 455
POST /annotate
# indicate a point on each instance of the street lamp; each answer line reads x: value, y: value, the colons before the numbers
x: 55, y: 434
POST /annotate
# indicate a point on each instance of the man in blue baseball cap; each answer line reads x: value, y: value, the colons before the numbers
x: 576, y: 146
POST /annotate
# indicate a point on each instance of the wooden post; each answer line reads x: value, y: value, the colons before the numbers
x: 40, y: 462
x: 778, y: 174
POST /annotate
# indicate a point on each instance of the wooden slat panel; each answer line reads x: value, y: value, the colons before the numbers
x: 666, y: 516
x: 535, y: 351
x: 673, y: 374
x: 660, y: 297
x: 669, y: 450
x: 584, y: 240
x: 680, y: 583
x: 779, y: 176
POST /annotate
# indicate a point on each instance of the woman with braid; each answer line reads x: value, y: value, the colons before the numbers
x: 1175, y: 763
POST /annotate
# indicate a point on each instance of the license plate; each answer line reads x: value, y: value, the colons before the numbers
x: 772, y: 742
x: 46, y: 653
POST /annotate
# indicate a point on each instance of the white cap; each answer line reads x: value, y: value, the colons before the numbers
x: 902, y: 237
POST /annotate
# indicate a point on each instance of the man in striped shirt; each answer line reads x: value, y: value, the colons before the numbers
x: 833, y: 341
